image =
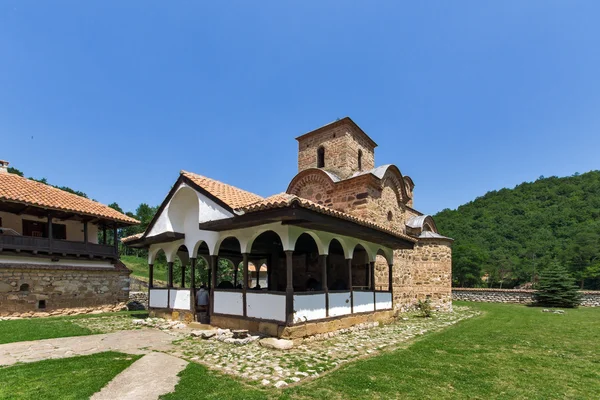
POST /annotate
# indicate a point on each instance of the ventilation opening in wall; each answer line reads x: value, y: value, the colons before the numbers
x: 390, y: 216
x: 24, y: 288
x: 41, y: 304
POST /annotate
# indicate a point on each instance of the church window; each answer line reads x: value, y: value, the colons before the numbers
x: 321, y: 157
x: 360, y: 160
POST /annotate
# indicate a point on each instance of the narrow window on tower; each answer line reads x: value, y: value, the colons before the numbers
x: 321, y: 157
x: 360, y: 160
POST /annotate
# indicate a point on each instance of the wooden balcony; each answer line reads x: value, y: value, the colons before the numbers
x: 38, y: 245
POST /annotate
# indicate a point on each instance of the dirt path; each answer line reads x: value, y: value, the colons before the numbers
x: 131, y: 342
x: 149, y: 377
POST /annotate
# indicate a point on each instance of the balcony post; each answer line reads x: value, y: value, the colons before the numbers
x: 50, y: 232
x: 391, y: 282
x: 182, y: 275
x: 116, y: 239
x: 193, y: 273
x: 85, y: 232
x: 104, y: 234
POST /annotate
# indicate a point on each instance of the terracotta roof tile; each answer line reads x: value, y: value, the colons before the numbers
x: 283, y: 200
x: 132, y: 237
x: 230, y: 195
x: 16, y: 189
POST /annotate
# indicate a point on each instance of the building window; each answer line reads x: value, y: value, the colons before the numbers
x: 41, y: 304
x: 360, y: 160
x: 24, y: 288
x: 321, y: 157
x: 390, y: 216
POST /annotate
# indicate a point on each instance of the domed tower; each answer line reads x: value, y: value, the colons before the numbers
x: 340, y: 148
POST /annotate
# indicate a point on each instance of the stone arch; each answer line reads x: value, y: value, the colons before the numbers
x: 249, y: 242
x: 393, y: 177
x: 312, y: 184
x: 184, y: 209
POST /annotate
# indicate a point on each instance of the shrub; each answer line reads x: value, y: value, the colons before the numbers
x: 424, y: 308
x: 556, y: 288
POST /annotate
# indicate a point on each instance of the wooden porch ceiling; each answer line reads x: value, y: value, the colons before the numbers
x: 310, y: 220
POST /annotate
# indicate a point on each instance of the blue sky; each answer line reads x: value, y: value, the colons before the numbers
x: 114, y: 98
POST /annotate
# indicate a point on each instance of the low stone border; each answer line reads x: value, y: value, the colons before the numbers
x: 589, y: 298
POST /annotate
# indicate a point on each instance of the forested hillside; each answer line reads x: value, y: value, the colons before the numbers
x: 507, y: 237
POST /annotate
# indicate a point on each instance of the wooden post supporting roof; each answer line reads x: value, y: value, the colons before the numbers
x: 324, y: 285
x: 349, y: 260
x: 214, y: 261
x: 372, y: 271
x: 170, y: 274
x: 289, y: 289
x: 150, y: 276
x: 245, y: 284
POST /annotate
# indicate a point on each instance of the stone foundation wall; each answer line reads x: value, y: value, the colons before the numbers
x: 588, y: 298
x: 47, y: 289
x: 302, y: 330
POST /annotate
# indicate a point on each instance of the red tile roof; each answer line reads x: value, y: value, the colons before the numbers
x: 283, y: 200
x: 230, y: 195
x: 16, y: 189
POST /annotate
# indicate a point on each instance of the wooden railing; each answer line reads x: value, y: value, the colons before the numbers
x: 45, y: 245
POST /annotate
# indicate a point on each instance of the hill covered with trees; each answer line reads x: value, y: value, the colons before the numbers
x: 506, y: 237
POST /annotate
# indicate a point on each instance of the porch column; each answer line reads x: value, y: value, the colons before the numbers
x: 214, y: 260
x: 289, y: 289
x: 349, y: 261
x: 372, y: 271
x: 182, y: 275
x: 235, y: 274
x: 170, y: 274
x: 193, y: 273
x: 245, y: 283
x: 324, y: 286
x: 391, y: 283
x: 150, y: 276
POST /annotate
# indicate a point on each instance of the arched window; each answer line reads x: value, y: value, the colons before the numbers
x: 321, y: 157
x: 24, y: 288
x: 360, y: 160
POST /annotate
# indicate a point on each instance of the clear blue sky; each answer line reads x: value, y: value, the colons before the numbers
x: 114, y: 98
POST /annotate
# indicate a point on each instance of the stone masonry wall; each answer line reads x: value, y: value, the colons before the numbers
x: 341, y: 151
x: 588, y: 298
x: 22, y: 287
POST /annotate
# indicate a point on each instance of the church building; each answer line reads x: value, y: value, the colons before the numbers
x: 341, y: 246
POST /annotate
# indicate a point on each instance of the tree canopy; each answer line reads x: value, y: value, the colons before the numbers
x: 507, y: 237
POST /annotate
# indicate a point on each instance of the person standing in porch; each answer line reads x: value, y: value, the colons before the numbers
x: 202, y: 298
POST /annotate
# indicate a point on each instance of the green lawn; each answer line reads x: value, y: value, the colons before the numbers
x: 19, y: 330
x: 509, y: 352
x: 139, y: 268
x: 70, y: 378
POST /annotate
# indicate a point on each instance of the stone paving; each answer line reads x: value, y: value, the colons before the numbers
x: 311, y: 358
x: 308, y: 359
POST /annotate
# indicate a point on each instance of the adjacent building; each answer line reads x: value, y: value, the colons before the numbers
x: 342, y: 245
x: 58, y: 250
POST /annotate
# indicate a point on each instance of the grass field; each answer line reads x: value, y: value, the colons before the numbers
x: 72, y: 378
x: 139, y: 268
x: 508, y: 352
x: 20, y: 330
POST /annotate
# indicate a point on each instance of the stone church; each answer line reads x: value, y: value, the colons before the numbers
x: 342, y: 245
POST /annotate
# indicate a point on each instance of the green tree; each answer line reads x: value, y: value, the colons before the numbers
x: 467, y: 265
x: 15, y: 171
x: 556, y: 288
